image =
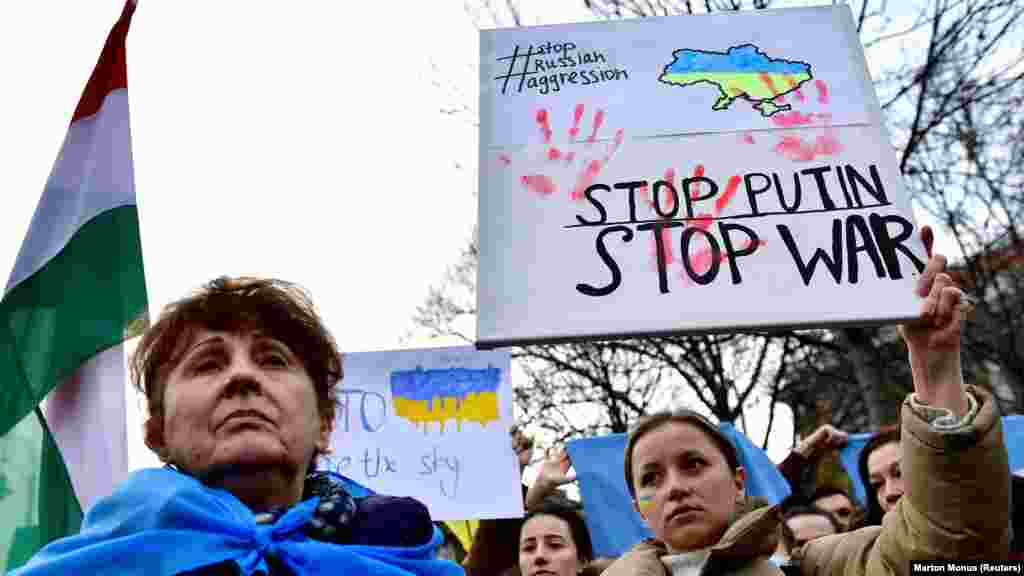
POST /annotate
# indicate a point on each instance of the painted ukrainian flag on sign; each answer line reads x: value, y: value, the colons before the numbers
x: 438, y: 395
x: 76, y: 287
x: 740, y: 72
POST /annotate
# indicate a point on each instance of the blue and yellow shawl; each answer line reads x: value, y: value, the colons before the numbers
x: 162, y: 522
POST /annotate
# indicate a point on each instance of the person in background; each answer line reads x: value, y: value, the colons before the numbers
x: 802, y: 524
x: 685, y: 481
x: 492, y: 548
x: 838, y: 503
x: 522, y: 445
x: 240, y: 384
x: 879, y: 466
x: 802, y: 459
x: 794, y: 500
x: 554, y: 541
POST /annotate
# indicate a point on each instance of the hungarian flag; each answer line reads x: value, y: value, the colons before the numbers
x: 76, y: 288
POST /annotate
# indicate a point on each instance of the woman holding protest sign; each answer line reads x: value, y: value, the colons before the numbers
x: 685, y: 480
x: 240, y: 384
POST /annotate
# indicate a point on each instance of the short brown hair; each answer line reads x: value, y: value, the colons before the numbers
x: 654, y: 421
x: 281, y: 309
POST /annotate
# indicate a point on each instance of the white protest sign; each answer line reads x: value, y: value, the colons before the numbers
x: 432, y: 424
x: 739, y: 178
x: 673, y: 75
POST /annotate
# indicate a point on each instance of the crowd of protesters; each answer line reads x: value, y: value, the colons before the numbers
x: 936, y: 486
x: 239, y: 380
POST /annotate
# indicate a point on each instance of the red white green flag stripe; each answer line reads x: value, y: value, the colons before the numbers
x: 76, y: 286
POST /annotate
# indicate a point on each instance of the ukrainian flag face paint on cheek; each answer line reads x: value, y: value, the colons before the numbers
x: 644, y: 503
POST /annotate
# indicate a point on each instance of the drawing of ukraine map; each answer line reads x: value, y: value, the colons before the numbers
x: 740, y: 72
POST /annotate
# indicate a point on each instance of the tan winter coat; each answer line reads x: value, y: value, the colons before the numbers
x: 750, y: 540
x: 956, y: 508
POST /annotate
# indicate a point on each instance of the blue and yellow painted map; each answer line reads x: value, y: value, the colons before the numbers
x: 740, y: 72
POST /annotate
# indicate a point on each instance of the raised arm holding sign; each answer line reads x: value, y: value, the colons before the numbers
x: 685, y: 481
x: 730, y: 173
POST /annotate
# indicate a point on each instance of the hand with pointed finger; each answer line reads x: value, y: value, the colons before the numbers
x: 934, y: 339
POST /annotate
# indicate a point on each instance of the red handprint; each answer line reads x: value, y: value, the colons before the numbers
x: 562, y: 167
x: 793, y: 146
x: 668, y: 207
x: 699, y: 260
x: 822, y: 91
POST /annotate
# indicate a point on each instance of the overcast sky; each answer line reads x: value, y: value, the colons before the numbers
x: 271, y: 140
x: 268, y: 140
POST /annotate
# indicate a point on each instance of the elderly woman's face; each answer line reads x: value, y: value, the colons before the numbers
x: 685, y: 489
x: 239, y: 399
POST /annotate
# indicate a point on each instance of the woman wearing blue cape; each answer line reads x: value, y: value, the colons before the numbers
x: 240, y: 383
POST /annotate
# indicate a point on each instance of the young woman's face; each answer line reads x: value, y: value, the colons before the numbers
x: 546, y: 548
x: 685, y: 489
x: 884, y: 475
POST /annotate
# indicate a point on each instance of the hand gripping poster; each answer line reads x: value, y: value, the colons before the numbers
x: 687, y: 174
